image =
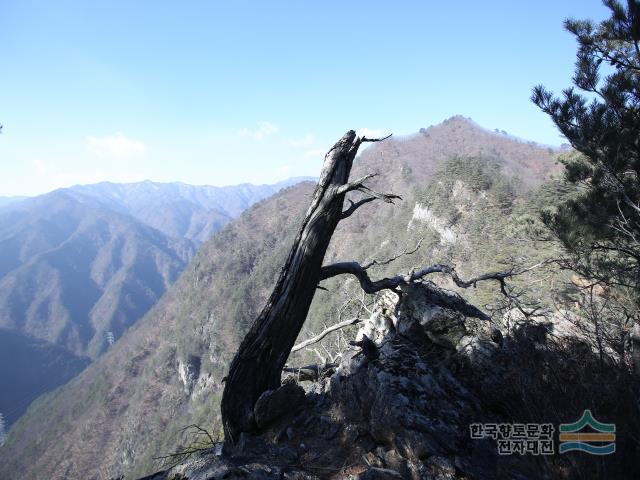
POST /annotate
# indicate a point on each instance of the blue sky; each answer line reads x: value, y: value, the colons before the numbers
x: 227, y: 92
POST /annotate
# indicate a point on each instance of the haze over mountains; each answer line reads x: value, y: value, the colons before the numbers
x: 79, y: 265
x: 8, y: 200
x: 194, y: 212
x: 166, y: 371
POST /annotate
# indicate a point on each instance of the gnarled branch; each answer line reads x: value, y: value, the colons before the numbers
x: 392, y: 283
x: 355, y: 205
x: 387, y: 197
x: 395, y: 257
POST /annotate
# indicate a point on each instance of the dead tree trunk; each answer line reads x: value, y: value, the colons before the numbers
x: 257, y: 366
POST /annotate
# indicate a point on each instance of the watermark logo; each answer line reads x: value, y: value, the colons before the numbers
x: 584, y: 435
x: 600, y: 440
x: 517, y: 438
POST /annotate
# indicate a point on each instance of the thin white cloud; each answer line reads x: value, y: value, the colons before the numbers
x: 369, y: 132
x: 118, y: 145
x: 284, y: 169
x: 264, y: 130
x: 305, y: 141
x: 317, y: 153
x: 39, y: 168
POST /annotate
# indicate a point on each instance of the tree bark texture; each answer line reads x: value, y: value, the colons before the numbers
x: 258, y: 364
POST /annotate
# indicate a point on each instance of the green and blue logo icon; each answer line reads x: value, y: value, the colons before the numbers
x: 599, y: 440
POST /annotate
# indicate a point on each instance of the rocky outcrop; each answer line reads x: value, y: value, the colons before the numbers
x: 424, y: 214
x: 423, y: 368
x: 274, y: 404
x: 401, y: 413
x: 189, y: 372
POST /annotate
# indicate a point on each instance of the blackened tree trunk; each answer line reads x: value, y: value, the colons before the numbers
x: 257, y: 366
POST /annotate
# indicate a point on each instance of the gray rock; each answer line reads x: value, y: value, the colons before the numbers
x: 442, y: 468
x: 401, y: 413
x: 426, y: 313
x: 273, y: 404
x: 375, y: 473
x: 188, y: 372
x: 443, y: 326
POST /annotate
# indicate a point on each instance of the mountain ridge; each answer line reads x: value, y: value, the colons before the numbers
x: 89, y: 248
x: 177, y: 209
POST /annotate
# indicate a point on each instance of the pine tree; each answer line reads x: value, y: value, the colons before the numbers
x: 600, y: 117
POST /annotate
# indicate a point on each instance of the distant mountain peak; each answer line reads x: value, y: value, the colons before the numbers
x: 461, y: 119
x: 458, y: 123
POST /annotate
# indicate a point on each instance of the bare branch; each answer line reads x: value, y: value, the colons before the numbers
x: 359, y: 185
x: 197, y: 445
x: 322, y: 358
x: 311, y: 373
x: 355, y: 185
x: 365, y: 139
x: 387, y: 197
x: 198, y: 430
x: 355, y: 205
x: 392, y: 283
x: 369, y: 286
x: 325, y: 332
x: 393, y: 259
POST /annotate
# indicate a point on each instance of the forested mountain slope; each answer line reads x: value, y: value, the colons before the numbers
x: 29, y: 368
x: 79, y: 265
x: 72, y: 270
